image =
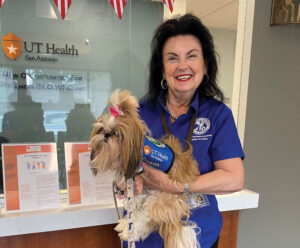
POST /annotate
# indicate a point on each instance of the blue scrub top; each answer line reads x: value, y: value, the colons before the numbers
x: 214, y: 138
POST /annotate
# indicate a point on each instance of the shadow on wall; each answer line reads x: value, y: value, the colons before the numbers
x: 79, y: 124
x: 26, y: 122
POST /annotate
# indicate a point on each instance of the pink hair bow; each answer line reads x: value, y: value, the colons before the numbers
x: 116, y: 111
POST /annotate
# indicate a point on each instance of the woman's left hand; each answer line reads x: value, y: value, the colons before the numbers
x: 159, y: 180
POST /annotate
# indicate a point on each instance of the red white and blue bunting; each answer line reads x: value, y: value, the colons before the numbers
x: 170, y: 4
x: 1, y: 3
x: 118, y: 6
x: 63, y: 7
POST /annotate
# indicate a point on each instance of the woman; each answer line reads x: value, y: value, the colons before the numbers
x: 182, y: 94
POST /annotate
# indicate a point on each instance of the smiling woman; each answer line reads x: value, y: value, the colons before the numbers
x: 189, y: 106
x: 184, y: 69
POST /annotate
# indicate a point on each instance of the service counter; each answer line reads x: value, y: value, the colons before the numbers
x: 92, y: 225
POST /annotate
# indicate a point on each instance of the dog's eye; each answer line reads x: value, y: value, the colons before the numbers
x: 100, y: 131
x: 116, y: 133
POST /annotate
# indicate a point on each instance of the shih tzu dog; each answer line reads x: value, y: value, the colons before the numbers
x: 117, y: 142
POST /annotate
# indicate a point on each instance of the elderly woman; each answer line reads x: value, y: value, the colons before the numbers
x: 184, y: 99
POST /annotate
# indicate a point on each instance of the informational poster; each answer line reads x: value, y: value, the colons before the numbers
x: 83, y: 186
x: 30, y: 175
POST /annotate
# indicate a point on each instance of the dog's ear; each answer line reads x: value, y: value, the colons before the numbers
x: 131, y: 149
x: 134, y: 164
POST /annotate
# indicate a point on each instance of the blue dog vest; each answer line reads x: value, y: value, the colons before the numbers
x: 157, y: 154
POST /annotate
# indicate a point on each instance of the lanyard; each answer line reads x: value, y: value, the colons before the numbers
x: 191, y: 128
x: 130, y: 208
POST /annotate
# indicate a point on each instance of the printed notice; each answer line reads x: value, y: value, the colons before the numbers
x: 30, y: 176
x: 83, y: 186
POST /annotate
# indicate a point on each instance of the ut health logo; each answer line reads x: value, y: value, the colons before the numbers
x: 147, y: 149
x: 12, y: 46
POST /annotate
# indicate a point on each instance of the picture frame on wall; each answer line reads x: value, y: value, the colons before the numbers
x: 285, y: 12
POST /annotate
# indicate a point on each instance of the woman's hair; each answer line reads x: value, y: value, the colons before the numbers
x: 187, y: 24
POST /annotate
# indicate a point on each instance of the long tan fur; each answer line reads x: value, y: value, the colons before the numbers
x: 117, y: 143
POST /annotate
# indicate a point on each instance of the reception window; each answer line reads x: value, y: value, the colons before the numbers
x: 56, y: 75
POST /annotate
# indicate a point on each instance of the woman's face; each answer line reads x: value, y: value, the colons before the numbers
x: 183, y: 64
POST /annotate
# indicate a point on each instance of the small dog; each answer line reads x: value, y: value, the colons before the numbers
x: 117, y: 146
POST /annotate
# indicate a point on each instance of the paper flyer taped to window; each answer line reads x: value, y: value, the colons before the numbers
x: 83, y: 186
x: 30, y: 174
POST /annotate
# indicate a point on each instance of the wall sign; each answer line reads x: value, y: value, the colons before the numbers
x: 13, y: 46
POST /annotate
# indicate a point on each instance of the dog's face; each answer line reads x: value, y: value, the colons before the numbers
x: 106, y: 145
x: 117, y: 139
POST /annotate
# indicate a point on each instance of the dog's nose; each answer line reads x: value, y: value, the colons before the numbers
x: 107, y: 135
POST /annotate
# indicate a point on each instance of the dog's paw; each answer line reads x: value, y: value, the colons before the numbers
x: 122, y: 229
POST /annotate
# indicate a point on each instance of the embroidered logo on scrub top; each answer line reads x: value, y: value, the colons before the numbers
x: 202, y: 125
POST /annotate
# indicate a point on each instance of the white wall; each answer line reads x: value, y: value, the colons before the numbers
x: 224, y: 40
x: 272, y: 135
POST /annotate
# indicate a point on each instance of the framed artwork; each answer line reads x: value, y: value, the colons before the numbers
x: 285, y: 12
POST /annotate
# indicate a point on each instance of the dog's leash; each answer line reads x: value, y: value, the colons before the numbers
x: 120, y: 193
x: 130, y: 208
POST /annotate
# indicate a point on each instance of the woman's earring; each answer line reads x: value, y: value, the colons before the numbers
x: 163, y: 84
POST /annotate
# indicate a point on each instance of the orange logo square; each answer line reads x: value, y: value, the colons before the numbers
x: 12, y: 46
x: 147, y: 149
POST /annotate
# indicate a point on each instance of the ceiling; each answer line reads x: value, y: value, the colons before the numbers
x: 214, y: 13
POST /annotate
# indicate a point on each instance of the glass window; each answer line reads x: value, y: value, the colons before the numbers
x: 56, y: 75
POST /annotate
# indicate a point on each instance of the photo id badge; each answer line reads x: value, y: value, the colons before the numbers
x: 198, y: 201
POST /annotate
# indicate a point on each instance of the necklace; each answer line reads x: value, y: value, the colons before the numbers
x: 172, y: 116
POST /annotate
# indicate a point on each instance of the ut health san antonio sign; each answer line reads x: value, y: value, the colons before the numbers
x: 35, y: 51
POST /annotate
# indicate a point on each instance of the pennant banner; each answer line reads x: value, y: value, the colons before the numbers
x: 1, y: 3
x: 170, y: 4
x: 63, y: 7
x: 118, y: 6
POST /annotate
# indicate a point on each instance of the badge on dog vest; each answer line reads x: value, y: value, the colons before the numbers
x: 159, y: 155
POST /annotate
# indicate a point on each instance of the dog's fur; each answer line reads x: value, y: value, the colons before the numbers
x: 117, y: 143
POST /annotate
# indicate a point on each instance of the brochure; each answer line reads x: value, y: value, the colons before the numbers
x: 30, y: 174
x: 83, y: 186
